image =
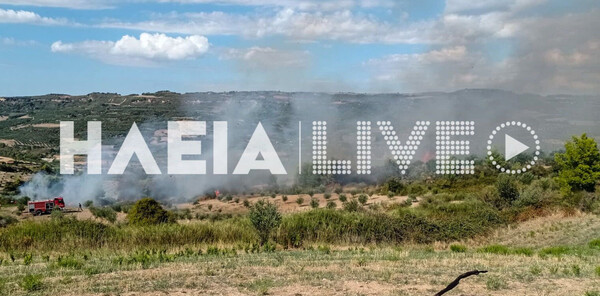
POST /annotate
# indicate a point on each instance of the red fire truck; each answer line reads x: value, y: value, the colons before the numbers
x: 39, y: 207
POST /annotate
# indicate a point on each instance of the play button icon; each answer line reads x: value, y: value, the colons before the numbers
x: 513, y: 147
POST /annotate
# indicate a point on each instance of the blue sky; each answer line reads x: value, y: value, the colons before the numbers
x: 134, y: 46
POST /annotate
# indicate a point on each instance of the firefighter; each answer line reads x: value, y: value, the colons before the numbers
x: 80, y: 209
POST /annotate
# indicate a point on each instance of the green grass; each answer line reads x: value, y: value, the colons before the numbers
x: 458, y: 248
x: 554, y: 251
x: 495, y: 249
x: 31, y: 283
x: 71, y: 234
x: 436, y: 222
x: 595, y: 244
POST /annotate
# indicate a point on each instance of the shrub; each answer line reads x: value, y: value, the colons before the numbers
x: 343, y: 198
x: 88, y: 203
x: 273, y: 195
x: 284, y: 198
x: 314, y: 203
x: 363, y: 198
x: 21, y: 207
x: 117, y: 207
x: 394, y: 185
x: 507, y: 188
x: 526, y: 178
x: 105, y: 213
x: 57, y: 214
x: 351, y: 206
x: 31, y: 283
x: 331, y: 204
x: 6, y: 220
x: 579, y: 165
x: 265, y: 218
x: 458, y: 248
x: 597, y: 270
x: 300, y: 200
x: 246, y: 203
x: 327, y: 195
x: 148, y: 211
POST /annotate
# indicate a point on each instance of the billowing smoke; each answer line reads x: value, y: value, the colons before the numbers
x: 73, y: 188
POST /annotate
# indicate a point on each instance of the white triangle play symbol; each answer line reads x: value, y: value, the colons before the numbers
x: 513, y: 147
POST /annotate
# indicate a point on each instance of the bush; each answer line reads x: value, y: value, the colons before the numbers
x: 6, y: 220
x: 458, y: 248
x: 300, y: 200
x: 57, y: 214
x: 265, y: 217
x: 363, y: 198
x: 343, y: 198
x: 284, y: 198
x: 314, y: 203
x: 531, y: 196
x: 31, y: 283
x: 351, y: 206
x: 331, y: 204
x: 104, y: 213
x: 327, y: 195
x: 246, y: 203
x: 507, y: 188
x: 394, y: 185
x: 148, y: 211
x: 88, y: 203
x: 579, y: 165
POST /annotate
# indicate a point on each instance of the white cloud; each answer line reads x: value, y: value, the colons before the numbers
x: 27, y: 17
x: 10, y: 41
x: 329, y: 5
x: 298, y: 25
x: 75, y: 4
x: 267, y: 58
x: 485, y: 6
x: 147, y: 50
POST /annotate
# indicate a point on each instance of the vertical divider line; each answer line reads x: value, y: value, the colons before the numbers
x: 300, y: 147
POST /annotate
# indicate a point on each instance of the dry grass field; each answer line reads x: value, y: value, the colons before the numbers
x: 571, y: 267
